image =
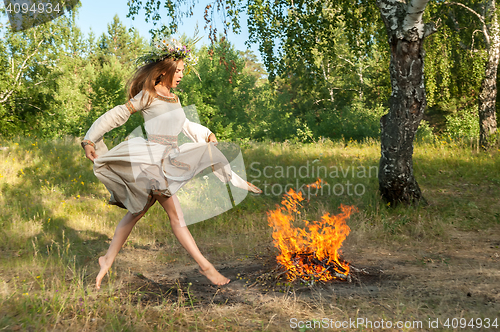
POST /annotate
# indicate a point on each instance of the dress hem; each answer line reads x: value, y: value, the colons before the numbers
x: 151, y: 200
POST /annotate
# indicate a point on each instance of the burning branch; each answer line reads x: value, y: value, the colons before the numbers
x: 310, y: 254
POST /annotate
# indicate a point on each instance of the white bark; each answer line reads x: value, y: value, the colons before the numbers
x: 413, y: 18
x: 388, y: 10
x: 488, y: 94
x: 406, y: 32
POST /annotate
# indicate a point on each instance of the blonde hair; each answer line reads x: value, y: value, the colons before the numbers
x: 149, y: 75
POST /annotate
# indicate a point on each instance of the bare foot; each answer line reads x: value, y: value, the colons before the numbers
x: 254, y: 189
x: 214, y: 276
x: 104, y: 269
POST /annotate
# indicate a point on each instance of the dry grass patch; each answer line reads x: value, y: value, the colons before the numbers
x: 427, y: 262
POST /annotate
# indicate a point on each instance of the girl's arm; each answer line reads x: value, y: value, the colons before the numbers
x: 197, y: 133
x: 113, y: 118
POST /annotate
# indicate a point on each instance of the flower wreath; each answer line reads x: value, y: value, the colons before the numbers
x: 163, y: 48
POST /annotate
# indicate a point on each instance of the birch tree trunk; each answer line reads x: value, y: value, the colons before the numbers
x: 406, y: 33
x: 488, y: 94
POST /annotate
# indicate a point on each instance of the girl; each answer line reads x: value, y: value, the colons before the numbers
x: 138, y: 172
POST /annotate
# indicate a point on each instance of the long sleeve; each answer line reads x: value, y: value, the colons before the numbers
x: 196, y: 132
x: 114, y: 118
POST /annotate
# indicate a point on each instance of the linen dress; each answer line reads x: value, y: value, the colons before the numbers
x: 145, y: 165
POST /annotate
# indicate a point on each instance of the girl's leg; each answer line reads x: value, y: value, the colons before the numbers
x: 122, y: 232
x: 172, y: 207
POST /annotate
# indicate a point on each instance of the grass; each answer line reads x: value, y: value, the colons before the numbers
x: 55, y: 223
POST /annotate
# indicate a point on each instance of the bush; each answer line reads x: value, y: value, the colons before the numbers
x: 354, y: 121
x: 463, y: 124
x: 424, y: 132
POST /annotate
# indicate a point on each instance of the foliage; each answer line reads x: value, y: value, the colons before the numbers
x: 331, y: 79
x: 463, y: 124
x: 225, y: 92
x: 27, y: 60
x: 71, y: 79
x: 354, y: 121
x: 317, y: 67
x: 456, y: 57
x: 425, y: 132
x: 124, y: 44
x: 325, y: 53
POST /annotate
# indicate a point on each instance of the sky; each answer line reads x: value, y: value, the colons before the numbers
x: 96, y: 15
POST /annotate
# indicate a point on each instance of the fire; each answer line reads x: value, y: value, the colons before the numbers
x: 311, y: 253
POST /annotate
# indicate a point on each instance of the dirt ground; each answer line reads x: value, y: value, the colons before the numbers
x: 459, y: 278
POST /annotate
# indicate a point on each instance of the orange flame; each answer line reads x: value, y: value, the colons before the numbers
x: 311, y: 253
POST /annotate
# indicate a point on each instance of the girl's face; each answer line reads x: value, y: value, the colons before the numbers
x: 179, y: 74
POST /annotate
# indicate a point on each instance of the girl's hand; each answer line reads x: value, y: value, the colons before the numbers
x: 212, y: 138
x: 90, y: 152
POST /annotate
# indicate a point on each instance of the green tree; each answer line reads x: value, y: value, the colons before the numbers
x: 108, y: 67
x: 321, y: 74
x: 455, y: 59
x: 28, y: 58
x: 120, y: 42
x: 297, y: 26
x: 55, y: 81
x: 224, y: 91
x: 477, y: 22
